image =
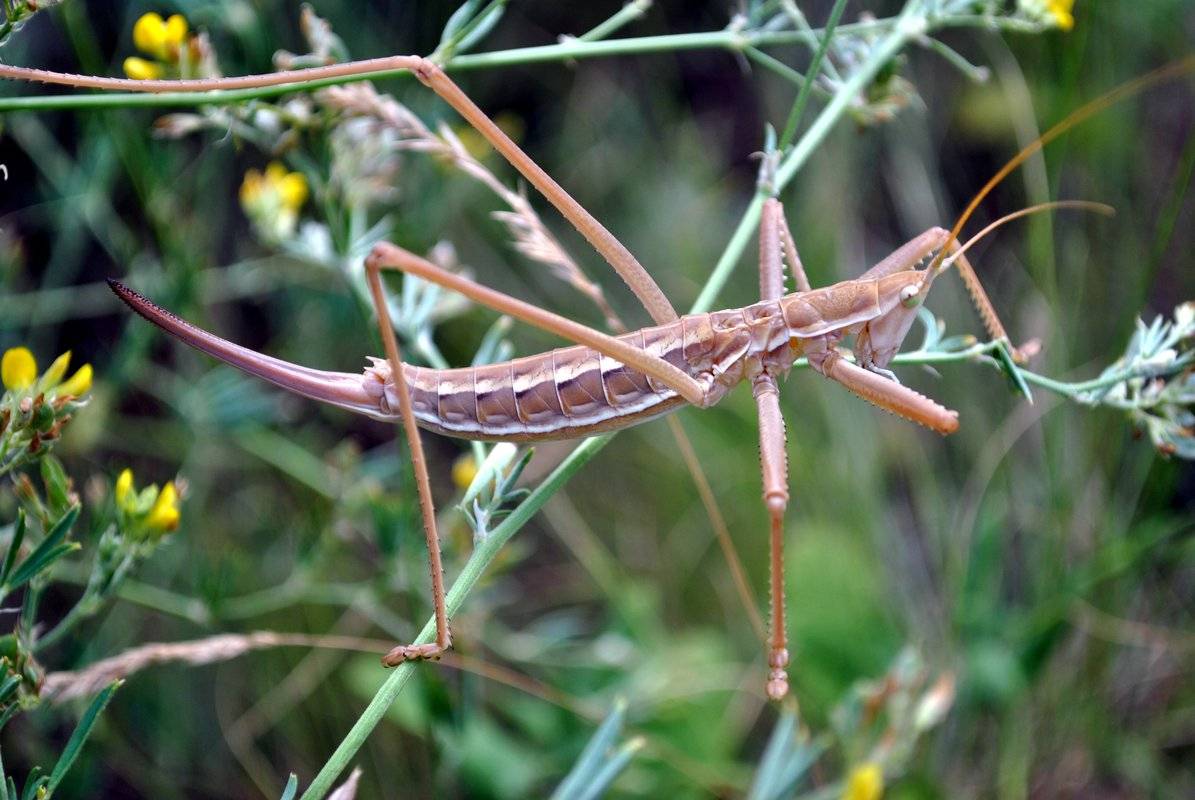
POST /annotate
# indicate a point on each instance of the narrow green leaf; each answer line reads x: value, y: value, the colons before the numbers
x: 794, y: 117
x: 798, y: 763
x: 9, y: 686
x: 590, y: 762
x: 517, y: 471
x: 79, y: 737
x: 488, y: 349
x: 292, y: 787
x: 47, y: 551
x: 34, y: 782
x: 18, y: 536
x: 470, y: 32
x: 459, y: 19
x: 600, y: 782
x: 933, y: 331
x: 1010, y: 368
x: 57, y: 484
x: 7, y: 714
x: 774, y: 755
x: 31, y: 567
x: 484, y: 25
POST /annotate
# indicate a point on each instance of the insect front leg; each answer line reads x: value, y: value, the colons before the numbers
x: 880, y: 391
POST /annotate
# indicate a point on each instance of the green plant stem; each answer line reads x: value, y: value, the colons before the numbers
x: 569, y: 50
x: 86, y: 607
x: 473, y: 569
x: 815, y: 67
x: 295, y: 589
x: 89, y: 604
x: 624, y: 16
x: 783, y: 70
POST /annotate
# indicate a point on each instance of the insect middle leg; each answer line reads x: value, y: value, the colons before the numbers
x: 774, y: 235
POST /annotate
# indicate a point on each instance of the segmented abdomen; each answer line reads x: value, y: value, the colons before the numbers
x: 562, y: 394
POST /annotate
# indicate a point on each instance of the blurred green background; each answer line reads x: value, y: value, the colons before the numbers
x: 1042, y: 555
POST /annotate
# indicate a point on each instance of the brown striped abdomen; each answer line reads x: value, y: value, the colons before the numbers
x: 565, y: 393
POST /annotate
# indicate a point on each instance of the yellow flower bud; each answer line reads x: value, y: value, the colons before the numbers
x: 149, y: 34
x: 866, y: 782
x: 78, y: 384
x: 124, y: 486
x: 53, y: 375
x: 464, y: 470
x: 164, y: 514
x: 141, y: 70
x: 18, y: 368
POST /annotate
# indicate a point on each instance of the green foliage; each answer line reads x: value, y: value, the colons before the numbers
x: 600, y: 761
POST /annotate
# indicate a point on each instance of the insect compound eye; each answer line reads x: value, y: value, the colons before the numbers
x: 910, y: 296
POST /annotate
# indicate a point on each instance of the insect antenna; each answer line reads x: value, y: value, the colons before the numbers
x: 1053, y: 205
x: 979, y: 297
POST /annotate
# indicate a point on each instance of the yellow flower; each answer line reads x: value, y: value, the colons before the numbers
x: 18, y: 368
x: 76, y: 385
x: 277, y: 186
x: 866, y: 782
x: 293, y: 190
x: 164, y: 514
x: 464, y: 470
x: 251, y: 188
x: 290, y: 186
x: 124, y: 486
x: 273, y: 200
x: 53, y: 375
x: 141, y: 70
x: 160, y: 38
x: 163, y: 39
x: 1060, y: 10
x: 148, y: 514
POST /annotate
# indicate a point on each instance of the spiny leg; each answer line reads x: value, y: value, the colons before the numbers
x: 618, y: 256
x: 871, y: 383
x: 423, y: 484
x: 773, y: 462
x: 773, y: 216
x: 979, y: 298
x: 884, y: 392
x: 773, y: 459
x: 389, y: 256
